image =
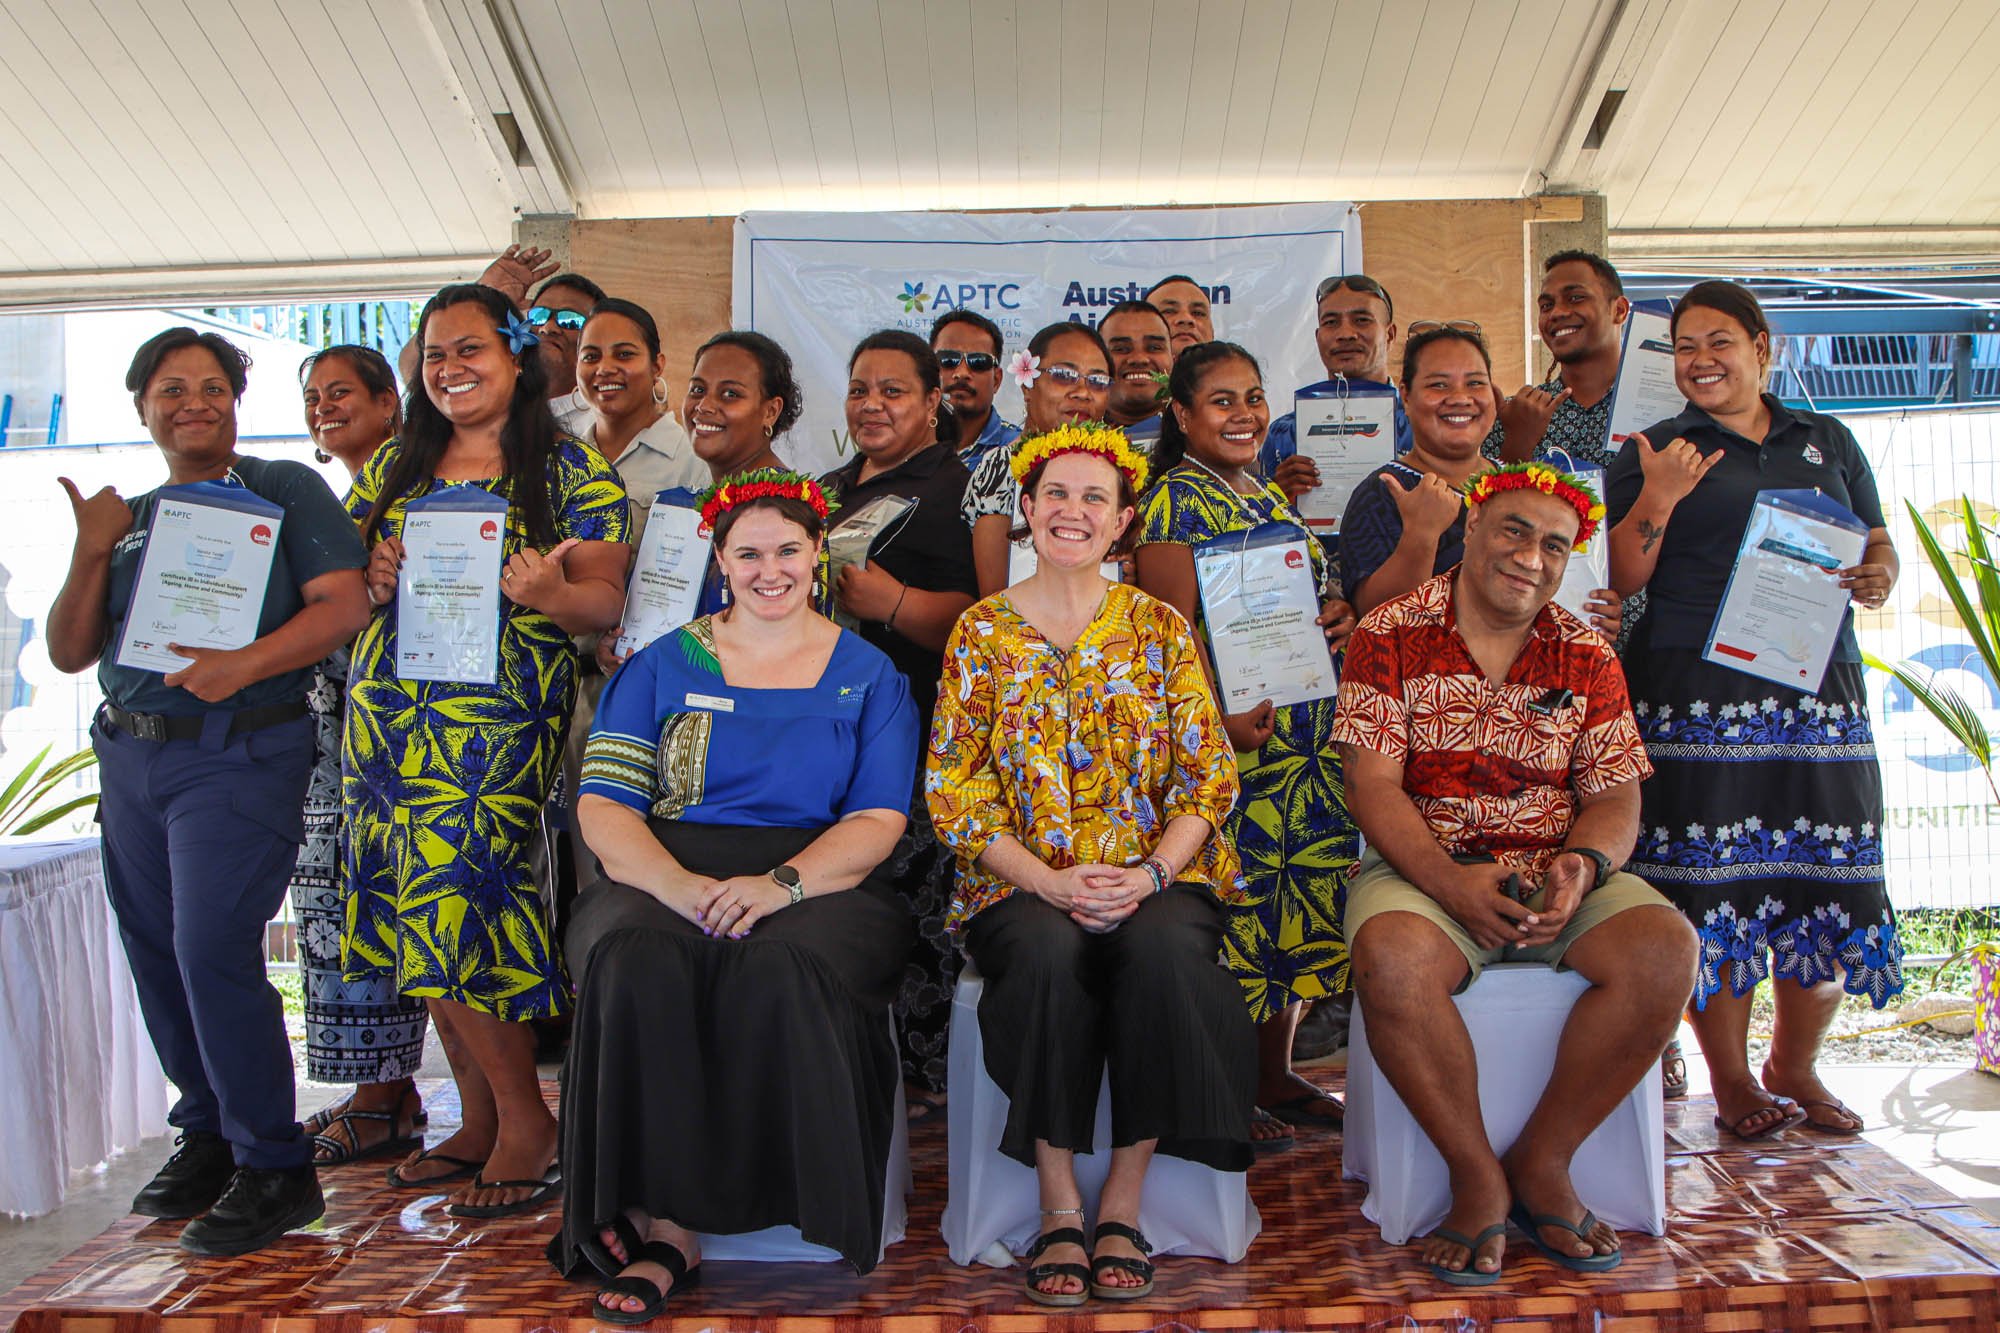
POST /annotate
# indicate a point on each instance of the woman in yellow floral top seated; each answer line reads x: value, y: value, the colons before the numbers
x: 1079, y: 769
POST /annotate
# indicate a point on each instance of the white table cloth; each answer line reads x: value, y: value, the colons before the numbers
x: 78, y: 1077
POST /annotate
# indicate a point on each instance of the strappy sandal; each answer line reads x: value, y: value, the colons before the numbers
x: 1531, y: 1225
x: 1040, y: 1273
x: 464, y: 1168
x: 1673, y: 1072
x: 340, y: 1151
x: 679, y: 1278
x: 1118, y: 1263
x: 1468, y: 1276
x: 322, y: 1120
x: 599, y: 1256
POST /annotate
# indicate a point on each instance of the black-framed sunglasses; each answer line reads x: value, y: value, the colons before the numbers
x: 1068, y: 375
x: 1461, y: 325
x: 977, y: 362
x: 564, y: 319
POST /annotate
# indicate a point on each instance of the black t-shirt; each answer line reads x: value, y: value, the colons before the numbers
x: 1802, y: 451
x: 1372, y: 528
x: 316, y: 537
x: 931, y: 549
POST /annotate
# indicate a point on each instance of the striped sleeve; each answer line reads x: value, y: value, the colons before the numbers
x: 620, y: 758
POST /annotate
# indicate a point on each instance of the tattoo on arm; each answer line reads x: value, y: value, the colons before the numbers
x: 1651, y: 533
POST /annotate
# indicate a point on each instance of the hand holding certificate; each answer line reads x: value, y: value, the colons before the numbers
x: 1347, y: 434
x: 202, y: 575
x: 667, y: 576
x: 448, y: 591
x: 1262, y: 614
x: 855, y: 533
x: 1784, y: 608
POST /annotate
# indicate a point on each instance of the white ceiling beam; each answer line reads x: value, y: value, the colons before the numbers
x: 497, y: 75
x: 234, y: 284
x: 1778, y: 250
x: 1562, y: 163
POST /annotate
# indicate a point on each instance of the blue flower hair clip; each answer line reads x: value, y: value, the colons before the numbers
x: 519, y: 333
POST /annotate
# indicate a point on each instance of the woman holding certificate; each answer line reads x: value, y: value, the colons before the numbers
x: 493, y: 541
x: 205, y: 604
x: 731, y: 1067
x: 1763, y: 821
x: 1079, y: 768
x: 1291, y: 827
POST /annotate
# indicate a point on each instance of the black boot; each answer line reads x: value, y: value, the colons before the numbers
x: 260, y: 1205
x: 191, y: 1181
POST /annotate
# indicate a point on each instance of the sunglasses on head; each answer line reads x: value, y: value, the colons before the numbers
x: 564, y: 319
x: 1462, y: 325
x: 1068, y: 375
x: 977, y: 362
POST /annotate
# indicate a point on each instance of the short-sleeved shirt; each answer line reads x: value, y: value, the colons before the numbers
x: 1282, y: 440
x: 1583, y: 433
x: 1372, y: 527
x: 1802, y: 451
x: 659, y: 458
x: 315, y: 538
x: 674, y: 740
x: 1083, y: 756
x: 1491, y: 766
x: 994, y: 435
x: 930, y: 550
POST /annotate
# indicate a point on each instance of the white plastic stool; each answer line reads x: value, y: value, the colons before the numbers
x: 993, y: 1200
x: 782, y: 1245
x: 1515, y: 1013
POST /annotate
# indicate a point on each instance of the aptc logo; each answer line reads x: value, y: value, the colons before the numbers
x: 913, y: 298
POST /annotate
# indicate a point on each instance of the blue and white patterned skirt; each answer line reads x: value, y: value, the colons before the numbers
x: 1763, y: 823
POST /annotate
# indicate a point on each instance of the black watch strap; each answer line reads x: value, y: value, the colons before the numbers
x: 1597, y: 858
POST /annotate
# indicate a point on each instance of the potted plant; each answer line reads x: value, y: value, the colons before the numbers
x: 20, y: 814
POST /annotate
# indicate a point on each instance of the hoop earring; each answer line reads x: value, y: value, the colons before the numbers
x: 933, y: 421
x: 659, y: 392
x: 576, y: 398
x: 321, y: 456
x: 767, y: 432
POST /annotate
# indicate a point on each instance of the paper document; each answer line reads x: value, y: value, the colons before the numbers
x: 1261, y: 612
x: 1783, y: 610
x: 1645, y: 392
x: 202, y: 575
x: 856, y: 534
x: 1347, y: 434
x: 667, y: 574
x: 1588, y: 569
x: 448, y: 592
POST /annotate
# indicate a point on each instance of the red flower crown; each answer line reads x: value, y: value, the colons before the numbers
x: 724, y: 496
x: 1541, y: 477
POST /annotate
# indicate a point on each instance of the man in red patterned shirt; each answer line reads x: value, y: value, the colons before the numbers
x: 1493, y: 765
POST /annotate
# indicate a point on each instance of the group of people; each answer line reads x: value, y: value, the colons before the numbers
x: 783, y: 835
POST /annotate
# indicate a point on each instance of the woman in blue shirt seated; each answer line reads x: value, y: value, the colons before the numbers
x: 732, y: 1066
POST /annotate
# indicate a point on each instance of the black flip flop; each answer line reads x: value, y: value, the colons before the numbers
x: 1468, y: 1276
x: 1531, y: 1224
x: 598, y: 1255
x: 1293, y: 1111
x: 545, y: 1188
x: 1119, y: 1263
x: 465, y: 1169
x: 680, y: 1277
x: 1793, y: 1117
x: 1838, y: 1107
x: 1264, y: 1147
x: 1040, y: 1273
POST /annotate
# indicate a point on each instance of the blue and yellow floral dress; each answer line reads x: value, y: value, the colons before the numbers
x: 443, y: 783
x: 1290, y: 824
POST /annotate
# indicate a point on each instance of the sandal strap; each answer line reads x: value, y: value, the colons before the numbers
x: 1041, y: 1273
x: 1060, y: 1236
x: 1142, y: 1267
x: 1119, y: 1229
x: 663, y: 1254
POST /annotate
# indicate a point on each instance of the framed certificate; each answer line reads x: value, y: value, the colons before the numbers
x: 667, y: 574
x: 1262, y: 612
x: 448, y: 591
x: 1645, y: 391
x: 202, y: 575
x: 1348, y: 432
x: 1783, y: 610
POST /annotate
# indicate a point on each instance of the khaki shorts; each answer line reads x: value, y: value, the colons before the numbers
x: 1377, y: 888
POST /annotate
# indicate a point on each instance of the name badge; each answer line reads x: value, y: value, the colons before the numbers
x: 713, y: 703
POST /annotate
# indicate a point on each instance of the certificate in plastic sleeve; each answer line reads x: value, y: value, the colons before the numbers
x: 448, y: 592
x: 1588, y: 569
x: 858, y: 532
x: 202, y: 575
x: 667, y: 575
x: 1783, y: 610
x: 1262, y: 613
x: 1645, y: 391
x: 1347, y: 431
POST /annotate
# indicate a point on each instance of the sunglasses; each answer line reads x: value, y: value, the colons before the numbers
x: 564, y: 319
x: 1462, y: 325
x: 977, y: 362
x: 1068, y: 375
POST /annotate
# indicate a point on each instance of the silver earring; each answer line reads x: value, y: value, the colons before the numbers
x: 576, y: 398
x: 659, y: 392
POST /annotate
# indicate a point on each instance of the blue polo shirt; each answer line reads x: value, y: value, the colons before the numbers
x: 996, y: 434
x: 1802, y: 451
x: 316, y: 537
x: 1282, y: 440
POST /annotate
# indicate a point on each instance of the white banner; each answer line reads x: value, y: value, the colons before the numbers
x: 819, y: 282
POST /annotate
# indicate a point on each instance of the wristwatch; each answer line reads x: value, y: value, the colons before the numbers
x: 1596, y: 858
x: 788, y: 880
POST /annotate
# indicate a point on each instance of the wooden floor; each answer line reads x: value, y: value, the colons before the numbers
x: 1811, y: 1233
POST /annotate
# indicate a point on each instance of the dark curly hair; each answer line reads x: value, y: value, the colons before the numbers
x: 774, y: 367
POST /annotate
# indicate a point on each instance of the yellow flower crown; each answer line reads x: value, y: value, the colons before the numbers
x: 1541, y: 477
x: 1080, y: 437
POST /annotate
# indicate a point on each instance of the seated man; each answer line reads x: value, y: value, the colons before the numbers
x: 1490, y: 752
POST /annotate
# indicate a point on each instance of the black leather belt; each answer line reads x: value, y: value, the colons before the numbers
x: 188, y: 727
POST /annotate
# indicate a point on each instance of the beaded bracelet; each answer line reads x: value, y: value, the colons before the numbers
x: 1158, y: 870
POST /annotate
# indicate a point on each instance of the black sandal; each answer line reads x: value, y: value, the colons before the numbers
x: 548, y: 1186
x: 322, y: 1120
x: 1040, y: 1273
x: 679, y: 1277
x: 339, y: 1151
x: 463, y: 1168
x: 1143, y: 1268
x: 599, y: 1256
